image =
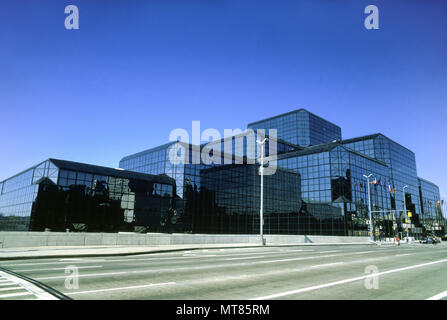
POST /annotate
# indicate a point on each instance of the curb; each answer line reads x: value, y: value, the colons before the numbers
x: 169, y: 250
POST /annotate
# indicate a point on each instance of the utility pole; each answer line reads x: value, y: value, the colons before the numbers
x: 369, y: 208
x: 261, y: 171
x: 405, y: 208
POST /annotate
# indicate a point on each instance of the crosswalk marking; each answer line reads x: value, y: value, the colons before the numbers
x: 10, y: 283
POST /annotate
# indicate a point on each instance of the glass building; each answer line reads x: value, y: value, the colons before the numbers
x: 333, y: 190
x: 60, y: 195
x: 431, y: 208
x: 229, y: 200
x: 301, y: 128
x: 316, y: 186
x: 224, y: 196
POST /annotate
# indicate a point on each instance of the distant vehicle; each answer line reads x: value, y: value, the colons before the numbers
x: 428, y: 240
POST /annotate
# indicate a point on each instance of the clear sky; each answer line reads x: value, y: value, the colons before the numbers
x: 135, y: 70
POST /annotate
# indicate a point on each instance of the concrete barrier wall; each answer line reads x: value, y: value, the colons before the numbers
x: 39, y: 239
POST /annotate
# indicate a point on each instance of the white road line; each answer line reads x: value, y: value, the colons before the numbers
x: 182, y: 268
x: 402, y: 254
x: 329, y: 251
x: 245, y: 258
x: 11, y: 288
x: 28, y: 286
x: 178, y: 269
x: 362, y: 252
x: 70, y: 259
x: 43, y: 263
x: 15, y: 294
x: 438, y: 296
x: 121, y: 288
x: 6, y: 284
x: 331, y: 284
x: 288, y: 250
x: 327, y: 265
x: 296, y: 259
x: 193, y: 256
x: 155, y: 259
x: 55, y: 269
x: 89, y: 275
x: 102, y: 261
x: 208, y: 255
x: 248, y: 254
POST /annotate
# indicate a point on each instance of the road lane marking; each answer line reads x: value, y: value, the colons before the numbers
x: 55, y: 269
x: 15, y: 294
x: 121, y: 288
x: 332, y: 251
x: 30, y: 288
x: 331, y: 284
x: 402, y: 254
x: 188, y: 268
x: 249, y: 254
x: 439, y: 296
x: 6, y: 283
x: 296, y: 259
x: 182, y: 268
x: 42, y: 263
x: 103, y: 261
x: 327, y: 265
x: 11, y: 288
x: 286, y: 251
x: 87, y: 275
x: 245, y: 258
x: 155, y: 271
x: 163, y: 258
x: 71, y: 259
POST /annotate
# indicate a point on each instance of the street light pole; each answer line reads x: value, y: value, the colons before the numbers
x: 369, y: 208
x: 405, y: 206
x: 261, y: 211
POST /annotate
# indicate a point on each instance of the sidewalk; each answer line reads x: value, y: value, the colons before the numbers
x: 98, y: 251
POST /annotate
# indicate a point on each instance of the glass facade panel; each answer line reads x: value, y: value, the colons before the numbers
x: 431, y: 208
x: 60, y: 195
x: 301, y: 128
x: 402, y: 164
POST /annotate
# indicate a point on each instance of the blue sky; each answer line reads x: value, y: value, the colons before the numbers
x: 135, y: 70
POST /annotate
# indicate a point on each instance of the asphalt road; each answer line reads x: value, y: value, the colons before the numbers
x: 410, y: 271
